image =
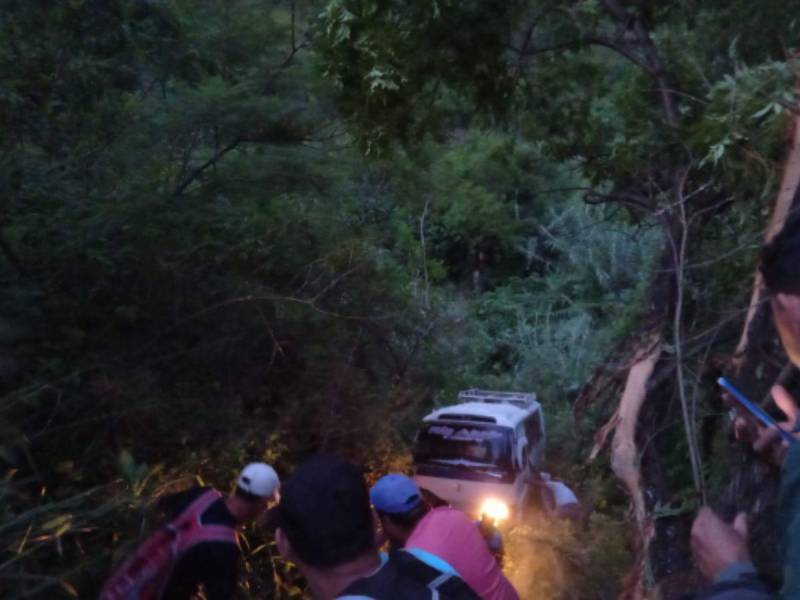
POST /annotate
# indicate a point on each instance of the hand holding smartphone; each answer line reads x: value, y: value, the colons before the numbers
x: 754, y: 410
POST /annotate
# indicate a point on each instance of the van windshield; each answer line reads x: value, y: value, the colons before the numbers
x: 469, y: 445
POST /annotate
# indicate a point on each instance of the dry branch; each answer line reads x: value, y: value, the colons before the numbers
x: 624, y: 452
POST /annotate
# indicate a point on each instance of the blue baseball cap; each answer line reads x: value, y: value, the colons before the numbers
x: 395, y: 494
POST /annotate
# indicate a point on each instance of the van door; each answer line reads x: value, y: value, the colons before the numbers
x: 534, y: 431
x: 523, y: 471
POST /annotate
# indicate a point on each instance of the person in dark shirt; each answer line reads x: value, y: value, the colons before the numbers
x: 215, y: 565
x: 325, y: 526
x: 721, y: 549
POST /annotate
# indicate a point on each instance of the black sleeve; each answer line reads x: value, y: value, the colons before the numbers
x: 214, y: 565
x: 175, y: 504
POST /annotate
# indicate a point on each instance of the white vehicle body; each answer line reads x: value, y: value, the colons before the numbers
x: 486, y: 447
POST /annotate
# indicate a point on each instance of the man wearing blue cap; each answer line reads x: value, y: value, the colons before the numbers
x: 442, y: 537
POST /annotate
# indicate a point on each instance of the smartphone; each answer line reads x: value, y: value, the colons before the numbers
x: 754, y: 409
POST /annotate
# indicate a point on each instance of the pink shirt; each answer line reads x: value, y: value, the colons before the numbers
x: 453, y: 537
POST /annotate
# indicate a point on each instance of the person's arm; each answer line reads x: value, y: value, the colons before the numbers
x: 720, y: 550
x: 789, y: 515
x: 173, y: 505
x: 737, y: 581
x: 770, y: 443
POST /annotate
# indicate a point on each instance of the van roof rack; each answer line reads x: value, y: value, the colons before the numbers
x: 520, y: 399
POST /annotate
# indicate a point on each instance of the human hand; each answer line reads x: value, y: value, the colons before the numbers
x: 716, y: 545
x: 767, y: 440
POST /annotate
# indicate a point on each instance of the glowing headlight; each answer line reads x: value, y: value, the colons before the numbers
x: 495, y: 509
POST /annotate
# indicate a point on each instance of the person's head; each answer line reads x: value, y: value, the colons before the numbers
x: 399, y: 505
x: 256, y: 487
x: 780, y: 267
x: 324, y: 517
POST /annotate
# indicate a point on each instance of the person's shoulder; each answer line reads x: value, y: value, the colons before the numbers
x: 175, y: 504
x: 218, y: 514
x: 447, y: 583
x: 439, y: 527
x: 448, y: 512
x: 188, y: 495
x: 416, y: 574
x: 450, y: 515
x: 404, y: 576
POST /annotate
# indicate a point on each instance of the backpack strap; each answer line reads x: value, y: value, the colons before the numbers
x: 411, y: 566
x: 372, y: 586
x: 434, y: 585
x: 440, y: 584
x: 432, y: 560
x: 193, y: 531
x: 408, y: 577
x: 214, y: 533
x: 199, y: 505
x: 420, y: 571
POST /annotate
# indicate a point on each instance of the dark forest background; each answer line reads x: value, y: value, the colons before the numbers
x: 257, y: 229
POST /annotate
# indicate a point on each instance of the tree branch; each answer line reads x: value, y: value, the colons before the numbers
x: 616, y: 46
x: 679, y: 251
x: 652, y: 63
x: 189, y: 179
x: 626, y: 198
x: 426, y: 298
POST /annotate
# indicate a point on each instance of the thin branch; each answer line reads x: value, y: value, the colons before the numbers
x: 189, y: 179
x: 426, y: 296
x: 528, y: 51
x: 679, y: 260
x: 561, y: 189
x: 626, y: 198
x: 651, y: 61
x: 617, y: 47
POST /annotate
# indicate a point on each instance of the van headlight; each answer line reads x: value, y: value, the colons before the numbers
x: 495, y: 509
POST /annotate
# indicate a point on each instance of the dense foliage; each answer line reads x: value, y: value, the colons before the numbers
x: 262, y: 228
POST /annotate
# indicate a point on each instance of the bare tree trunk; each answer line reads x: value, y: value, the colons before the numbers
x: 625, y: 453
x: 629, y: 443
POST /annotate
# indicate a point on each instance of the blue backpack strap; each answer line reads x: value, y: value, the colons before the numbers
x: 434, y: 561
x: 439, y: 584
x: 406, y: 576
x: 434, y: 585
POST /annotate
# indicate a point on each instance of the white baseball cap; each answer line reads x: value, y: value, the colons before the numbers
x: 258, y: 479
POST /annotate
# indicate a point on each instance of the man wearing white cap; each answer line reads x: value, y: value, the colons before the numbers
x: 200, y: 546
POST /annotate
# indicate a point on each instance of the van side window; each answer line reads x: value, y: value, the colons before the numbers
x: 533, y: 429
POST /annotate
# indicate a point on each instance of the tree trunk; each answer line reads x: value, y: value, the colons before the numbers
x: 630, y: 444
x: 625, y: 452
